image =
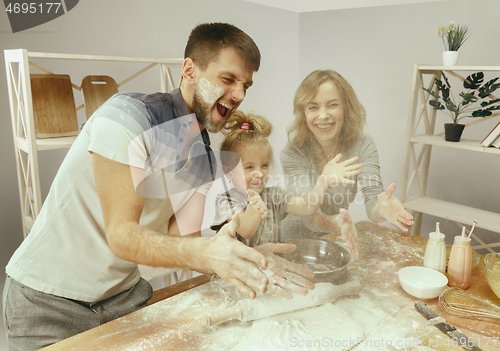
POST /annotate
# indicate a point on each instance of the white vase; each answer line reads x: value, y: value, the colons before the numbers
x: 450, y: 58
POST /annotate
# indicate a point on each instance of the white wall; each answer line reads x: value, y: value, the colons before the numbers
x: 375, y: 50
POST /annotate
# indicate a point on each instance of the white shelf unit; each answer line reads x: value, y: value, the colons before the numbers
x: 416, y: 162
x: 18, y: 63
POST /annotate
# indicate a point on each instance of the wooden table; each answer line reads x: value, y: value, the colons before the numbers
x: 179, y: 322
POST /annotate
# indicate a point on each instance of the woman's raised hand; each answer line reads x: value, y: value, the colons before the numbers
x: 337, y: 172
x: 391, y: 209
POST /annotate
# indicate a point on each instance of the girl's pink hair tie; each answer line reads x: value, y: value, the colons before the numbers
x: 245, y: 126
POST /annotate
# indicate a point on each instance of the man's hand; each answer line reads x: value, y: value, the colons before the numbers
x: 256, y: 202
x: 336, y: 172
x: 349, y: 232
x: 238, y: 264
x: 391, y: 209
x: 235, y: 262
x: 285, y: 276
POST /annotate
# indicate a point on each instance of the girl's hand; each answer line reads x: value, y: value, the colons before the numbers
x: 349, y: 232
x: 391, y: 209
x: 337, y: 172
x: 256, y: 202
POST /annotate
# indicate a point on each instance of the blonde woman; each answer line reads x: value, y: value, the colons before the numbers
x: 329, y: 120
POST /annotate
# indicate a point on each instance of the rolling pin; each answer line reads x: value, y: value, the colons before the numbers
x: 270, y: 305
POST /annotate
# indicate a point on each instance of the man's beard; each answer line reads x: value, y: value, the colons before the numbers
x: 203, y: 112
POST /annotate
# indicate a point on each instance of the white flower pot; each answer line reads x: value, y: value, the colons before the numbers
x: 450, y: 58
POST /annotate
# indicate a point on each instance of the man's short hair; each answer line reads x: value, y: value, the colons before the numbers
x: 207, y: 39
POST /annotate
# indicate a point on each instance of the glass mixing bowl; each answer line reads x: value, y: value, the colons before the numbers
x: 491, y: 264
x: 329, y: 261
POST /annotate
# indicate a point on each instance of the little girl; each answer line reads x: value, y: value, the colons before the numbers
x: 246, y: 137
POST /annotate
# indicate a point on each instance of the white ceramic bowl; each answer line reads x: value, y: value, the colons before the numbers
x: 422, y: 282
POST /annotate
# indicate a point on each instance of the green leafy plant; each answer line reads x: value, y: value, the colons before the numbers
x: 476, y: 91
x: 453, y: 37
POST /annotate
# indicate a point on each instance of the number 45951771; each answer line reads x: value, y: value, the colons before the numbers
x: 32, y: 7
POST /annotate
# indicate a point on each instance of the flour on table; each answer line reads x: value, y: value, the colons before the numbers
x: 317, y: 328
x: 265, y: 305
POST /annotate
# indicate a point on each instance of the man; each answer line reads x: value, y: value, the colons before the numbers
x: 77, y: 269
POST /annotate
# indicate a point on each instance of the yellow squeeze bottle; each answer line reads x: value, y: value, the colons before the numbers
x: 435, y: 251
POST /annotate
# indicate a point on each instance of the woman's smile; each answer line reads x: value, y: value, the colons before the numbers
x: 324, y: 126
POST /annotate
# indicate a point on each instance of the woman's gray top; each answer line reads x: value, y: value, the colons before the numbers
x: 302, y: 173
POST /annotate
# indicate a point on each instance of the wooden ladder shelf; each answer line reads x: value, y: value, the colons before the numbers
x: 420, y: 139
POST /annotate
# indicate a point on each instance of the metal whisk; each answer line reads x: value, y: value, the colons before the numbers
x: 461, y: 303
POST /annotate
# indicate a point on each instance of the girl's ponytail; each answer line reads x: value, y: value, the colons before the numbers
x: 245, y: 128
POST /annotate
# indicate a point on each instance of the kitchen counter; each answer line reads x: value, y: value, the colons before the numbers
x: 383, y: 311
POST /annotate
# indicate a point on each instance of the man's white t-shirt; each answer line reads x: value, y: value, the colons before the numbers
x: 66, y: 253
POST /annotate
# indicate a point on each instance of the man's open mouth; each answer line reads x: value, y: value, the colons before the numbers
x: 224, y: 109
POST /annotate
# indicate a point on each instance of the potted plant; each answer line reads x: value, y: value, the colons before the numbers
x: 476, y: 91
x: 453, y: 38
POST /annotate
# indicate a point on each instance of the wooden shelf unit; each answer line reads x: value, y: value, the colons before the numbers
x: 464, y: 144
x: 416, y: 163
x: 26, y: 144
x: 17, y: 64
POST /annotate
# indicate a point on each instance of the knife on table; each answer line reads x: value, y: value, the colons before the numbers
x: 449, y: 330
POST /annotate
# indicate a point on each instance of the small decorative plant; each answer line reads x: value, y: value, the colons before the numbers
x: 476, y: 91
x: 453, y: 37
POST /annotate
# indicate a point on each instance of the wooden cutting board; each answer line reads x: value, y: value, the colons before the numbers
x: 96, y: 90
x: 54, y: 108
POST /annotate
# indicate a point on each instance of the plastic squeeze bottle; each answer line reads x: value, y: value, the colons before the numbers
x: 435, y: 252
x: 460, y: 264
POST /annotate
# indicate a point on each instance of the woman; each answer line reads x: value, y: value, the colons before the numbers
x: 329, y: 120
